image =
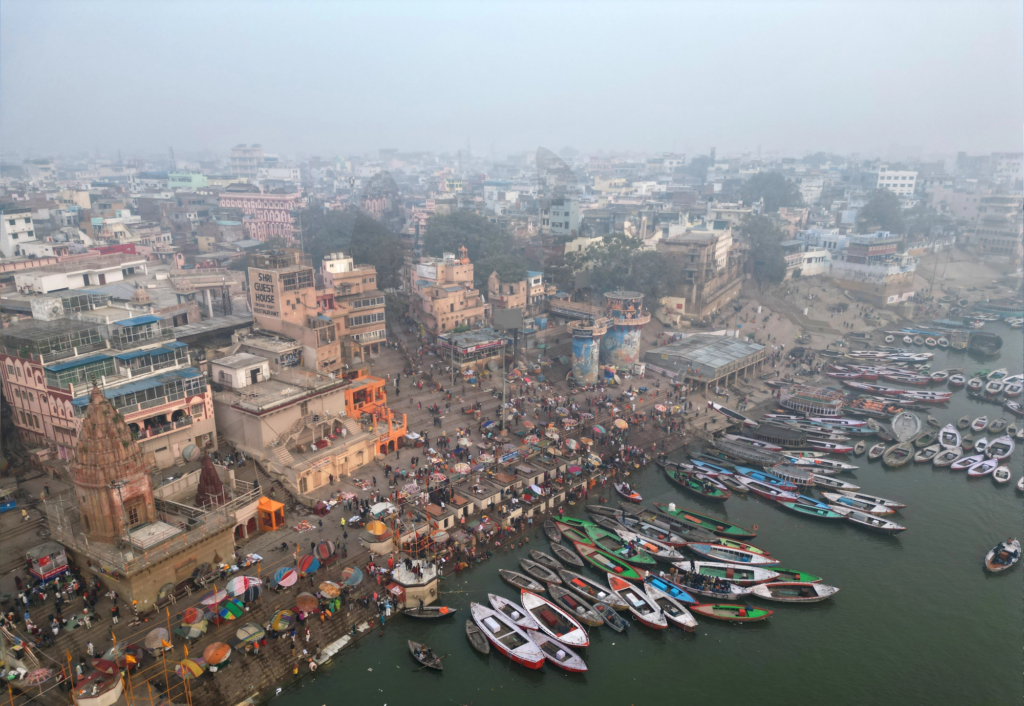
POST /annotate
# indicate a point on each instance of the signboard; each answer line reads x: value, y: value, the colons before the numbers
x: 265, y: 296
x: 506, y: 319
x: 509, y: 457
x: 426, y: 272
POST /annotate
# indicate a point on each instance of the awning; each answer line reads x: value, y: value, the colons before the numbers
x: 162, y: 350
x: 138, y: 320
x: 176, y: 344
x: 57, y: 367
x: 268, y: 505
x: 112, y: 392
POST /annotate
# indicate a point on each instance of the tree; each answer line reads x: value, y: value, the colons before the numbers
x: 698, y: 167
x: 358, y: 235
x: 881, y: 212
x: 775, y: 189
x: 487, y: 244
x: 620, y: 262
x: 765, y: 249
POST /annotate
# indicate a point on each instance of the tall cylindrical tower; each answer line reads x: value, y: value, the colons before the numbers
x: 621, y: 344
x: 586, y: 349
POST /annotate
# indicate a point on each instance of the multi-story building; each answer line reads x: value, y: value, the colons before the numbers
x: 712, y: 269
x: 999, y: 229
x: 49, y: 366
x: 76, y: 271
x: 561, y: 218
x: 186, y: 180
x: 875, y: 270
x: 246, y: 160
x: 357, y: 306
x: 528, y: 294
x: 901, y: 183
x: 265, y: 215
x: 284, y: 300
x: 443, y: 296
x: 16, y: 231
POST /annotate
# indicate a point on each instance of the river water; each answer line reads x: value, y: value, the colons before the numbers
x: 917, y: 620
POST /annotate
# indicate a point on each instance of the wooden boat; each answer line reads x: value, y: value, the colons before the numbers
x: 982, y: 468
x: 731, y: 414
x: 733, y: 484
x: 613, y: 544
x: 842, y: 502
x: 688, y: 531
x: 605, y: 561
x: 674, y: 590
x: 794, y: 592
x: 672, y: 609
x: 957, y: 381
x: 1003, y: 556
x: 610, y: 524
x: 933, y: 422
x: 864, y: 497
x: 741, y: 576
x: 657, y: 550
x: 716, y: 552
x: 833, y: 483
x: 876, y: 451
x: 793, y: 575
x: 1013, y: 389
x: 754, y: 442
x: 639, y: 604
x: 963, y: 422
x: 926, y: 439
x: 981, y: 445
x: 997, y: 374
x: 546, y: 560
x: 731, y: 613
x: 947, y: 457
x: 698, y: 485
x: 918, y: 340
x: 994, y: 388
x: 905, y: 426
x: 539, y: 571
x: 476, y: 638
x: 859, y: 448
x: 768, y: 492
x: 927, y: 454
x: 968, y: 442
x: 980, y: 424
x: 975, y: 384
x: 708, y: 522
x: 997, y: 425
x: 966, y: 462
x: 662, y: 534
x: 512, y: 611
x: 554, y: 621
x: 590, y: 590
x: 520, y: 581
x: 576, y: 606
x: 566, y: 555
x: 425, y: 656
x: 908, y: 340
x: 574, y: 535
x: 551, y: 531
x: 949, y: 437
x: 628, y: 493
x: 871, y: 522
x: 898, y: 455
x: 1001, y: 448
x: 1001, y: 475
x: 1020, y: 485
x: 507, y: 637
x: 742, y: 546
x: 812, y: 511
x: 1014, y: 407
x: 558, y: 654
x: 766, y: 478
x: 611, y: 618
x: 429, y: 612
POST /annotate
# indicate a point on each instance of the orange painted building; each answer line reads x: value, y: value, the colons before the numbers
x: 366, y: 400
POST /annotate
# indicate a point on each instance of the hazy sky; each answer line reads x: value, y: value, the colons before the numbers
x: 344, y: 77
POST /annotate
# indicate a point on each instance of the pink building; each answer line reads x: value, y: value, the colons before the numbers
x: 266, y: 215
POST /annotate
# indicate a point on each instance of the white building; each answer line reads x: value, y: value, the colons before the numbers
x: 17, y: 230
x: 562, y: 218
x: 900, y: 183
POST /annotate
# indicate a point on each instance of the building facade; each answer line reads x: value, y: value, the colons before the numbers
x: 266, y: 216
x: 443, y: 296
x: 901, y: 183
x: 358, y: 306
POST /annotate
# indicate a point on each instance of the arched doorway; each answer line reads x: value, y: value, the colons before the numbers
x: 391, y: 446
x: 383, y: 449
x: 250, y: 526
x: 240, y: 532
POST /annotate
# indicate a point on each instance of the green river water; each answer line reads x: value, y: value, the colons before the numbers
x: 918, y: 620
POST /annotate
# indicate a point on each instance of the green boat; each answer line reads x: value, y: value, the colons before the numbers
x: 812, y: 511
x: 573, y: 534
x: 791, y: 575
x: 707, y: 522
x: 708, y: 491
x: 732, y: 613
x: 576, y: 522
x: 742, y: 546
x: 614, y: 544
x: 608, y: 563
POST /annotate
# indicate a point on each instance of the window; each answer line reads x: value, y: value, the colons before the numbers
x: 304, y: 409
x: 197, y: 410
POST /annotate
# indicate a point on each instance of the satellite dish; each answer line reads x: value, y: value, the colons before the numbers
x: 190, y: 453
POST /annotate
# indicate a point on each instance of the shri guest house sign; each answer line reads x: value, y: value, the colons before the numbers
x: 265, y: 292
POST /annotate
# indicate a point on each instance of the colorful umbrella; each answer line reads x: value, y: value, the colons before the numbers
x: 250, y: 632
x: 528, y: 425
x: 531, y: 439
x: 192, y: 615
x: 251, y: 594
x: 575, y: 469
x: 568, y: 423
x: 155, y: 638
x: 485, y: 458
x: 621, y: 424
x: 306, y: 602
x: 586, y: 440
x: 240, y: 584
x: 465, y: 443
x: 190, y: 668
x: 561, y: 411
x: 594, y: 459
x: 351, y: 576
x: 659, y: 407
x: 586, y: 415
x: 104, y: 666
x: 286, y: 576
x: 487, y: 425
x: 36, y: 676
x: 308, y: 564
x: 460, y: 468
x: 282, y: 620
x: 376, y: 527
x: 195, y: 629
x: 231, y: 610
x: 213, y: 597
x: 325, y: 549
x: 551, y: 434
x: 571, y: 444
x: 599, y: 430
x: 329, y: 589
x: 216, y: 653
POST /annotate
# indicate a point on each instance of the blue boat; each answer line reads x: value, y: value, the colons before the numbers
x: 672, y: 589
x: 804, y: 500
x: 764, y: 477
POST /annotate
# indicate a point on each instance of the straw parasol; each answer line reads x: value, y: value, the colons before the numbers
x: 329, y: 589
x: 621, y: 424
x: 306, y: 602
x: 216, y: 653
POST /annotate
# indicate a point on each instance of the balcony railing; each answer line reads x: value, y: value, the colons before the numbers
x: 126, y: 344
x: 154, y: 431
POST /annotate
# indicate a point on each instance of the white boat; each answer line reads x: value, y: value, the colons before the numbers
x: 558, y: 654
x: 943, y: 342
x: 966, y: 462
x: 819, y: 464
x: 980, y: 445
x: 947, y: 457
x: 794, y: 591
x: 1002, y: 556
x: 905, y: 426
x: 975, y: 384
x: 832, y: 483
x: 927, y: 453
x: 982, y: 468
x: 957, y: 380
x: 997, y: 374
x: 1001, y: 475
x: 908, y: 340
x: 507, y: 637
x: 870, y: 521
x: 512, y: 611
x: 728, y: 555
x: 838, y: 502
x: 918, y: 340
x: 753, y: 442
x: 732, y: 414
x: 993, y: 388
x: 930, y: 342
x: 873, y: 499
x: 659, y: 550
x: 838, y: 422
x: 1013, y: 389
x: 1020, y: 484
x: 673, y: 610
x: 949, y: 437
x: 890, y: 338
x: 640, y: 605
x: 1001, y: 448
x: 554, y: 620
x: 740, y: 576
x: 766, y: 491
x: 979, y: 424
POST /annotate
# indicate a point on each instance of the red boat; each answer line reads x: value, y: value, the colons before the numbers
x: 628, y: 493
x: 507, y: 637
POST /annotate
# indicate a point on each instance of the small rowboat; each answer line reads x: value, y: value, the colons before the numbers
x: 981, y: 445
x: 656, y: 549
x: 859, y: 448
x: 871, y: 522
x: 612, y: 543
x: 873, y: 499
x: 476, y: 638
x: 554, y: 621
x: 876, y: 451
x: 841, y: 502
x: 607, y: 562
x: 994, y: 388
x: 566, y: 555
x: 739, y: 576
x: 546, y: 560
x: 429, y: 612
x: 968, y: 442
x: 611, y: 618
x: 716, y: 552
x: 966, y: 462
x: 768, y: 492
x: 688, y: 531
x: 674, y: 590
x: 708, y: 522
x: 1001, y: 475
x: 731, y: 613
x: 963, y: 422
x: 558, y: 654
x: 927, y: 454
x: 947, y: 457
x: 997, y: 425
x: 949, y: 437
x: 672, y: 609
x: 898, y: 455
x: 794, y: 592
x: 699, y: 484
x: 798, y: 576
x: 576, y: 607
x: 982, y: 468
x: 628, y: 493
x: 926, y: 439
x: 552, y: 531
x: 512, y: 611
x: 957, y: 380
x: 742, y: 546
x: 425, y: 656
x: 813, y: 511
x: 1002, y: 556
x: 540, y: 572
x: 832, y: 483
x: 507, y: 637
x: 979, y: 424
x: 975, y: 384
x: 520, y: 581
x: 933, y: 422
x: 639, y: 604
x: 589, y: 589
x: 661, y: 534
x: 1001, y: 448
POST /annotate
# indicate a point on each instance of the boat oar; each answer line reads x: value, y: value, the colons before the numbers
x: 426, y: 666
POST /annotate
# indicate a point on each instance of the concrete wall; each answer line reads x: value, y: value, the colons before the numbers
x: 586, y: 353
x: 621, y: 346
